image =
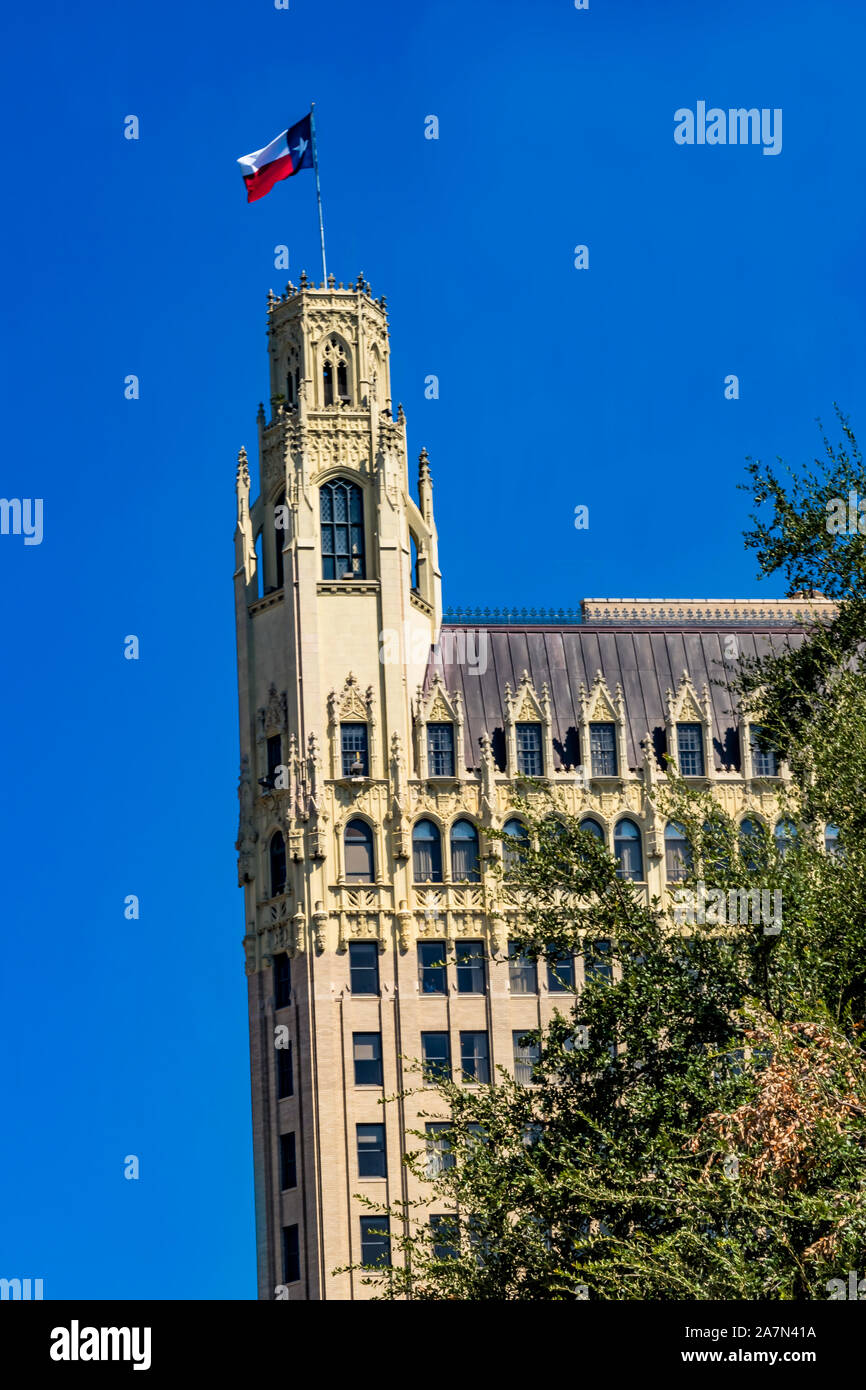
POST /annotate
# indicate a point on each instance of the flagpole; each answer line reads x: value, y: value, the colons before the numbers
x: 318, y: 188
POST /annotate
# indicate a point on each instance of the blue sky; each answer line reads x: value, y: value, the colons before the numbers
x: 558, y: 387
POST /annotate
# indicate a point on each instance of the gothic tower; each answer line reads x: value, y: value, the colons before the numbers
x: 338, y: 601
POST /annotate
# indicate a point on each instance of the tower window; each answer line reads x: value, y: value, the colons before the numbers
x: 288, y: 1162
x: 279, y: 539
x: 602, y: 750
x: 291, y: 1255
x: 277, y: 856
x: 275, y: 758
x: 358, y: 843
x: 285, y: 1072
x: 440, y: 750
x: 529, y: 760
x: 690, y: 750
x: 335, y: 374
x: 282, y: 981
x: 353, y: 750
x: 427, y: 853
x: 342, y: 381
x: 342, y: 519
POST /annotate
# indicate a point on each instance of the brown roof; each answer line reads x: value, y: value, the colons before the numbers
x: 645, y: 661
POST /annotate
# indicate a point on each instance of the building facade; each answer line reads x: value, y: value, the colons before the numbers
x: 379, y: 746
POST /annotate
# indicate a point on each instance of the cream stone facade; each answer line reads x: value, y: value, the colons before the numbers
x: 376, y: 740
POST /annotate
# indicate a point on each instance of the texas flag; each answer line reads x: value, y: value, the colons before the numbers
x: 291, y: 151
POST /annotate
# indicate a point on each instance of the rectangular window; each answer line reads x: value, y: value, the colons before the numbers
x: 690, y: 750
x: 602, y: 750
x: 763, y: 764
x: 475, y: 1057
x: 440, y: 750
x: 282, y: 981
x: 364, y: 967
x: 522, y: 972
x: 288, y: 1162
x: 529, y: 760
x: 560, y: 975
x: 291, y: 1255
x: 471, y: 970
x: 526, y: 1054
x: 431, y: 967
x: 275, y: 758
x: 353, y: 749
x: 375, y: 1242
x: 285, y: 1072
x: 439, y: 1152
x: 597, y: 963
x: 367, y: 1054
x: 436, y: 1052
x: 371, y: 1150
x: 445, y: 1232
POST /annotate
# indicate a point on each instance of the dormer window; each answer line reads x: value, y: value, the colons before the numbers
x: 602, y: 747
x: 530, y: 761
x: 690, y: 750
x: 765, y: 760
x: 353, y: 750
x: 440, y: 750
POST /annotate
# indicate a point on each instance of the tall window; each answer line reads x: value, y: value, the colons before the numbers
x: 342, y: 519
x: 475, y: 1058
x: 690, y: 750
x: 440, y: 750
x: 765, y: 763
x: 465, y: 865
x: 375, y: 1242
x: 439, y: 1153
x: 529, y: 758
x: 471, y: 972
x: 786, y: 835
x: 371, y: 1151
x: 427, y: 852
x: 513, y: 853
x: 593, y: 828
x: 353, y: 750
x: 285, y: 1072
x: 626, y: 848
x: 277, y: 857
x: 358, y: 843
x: 526, y: 1054
x: 602, y: 750
x: 522, y: 971
x: 560, y: 975
x: 335, y: 373
x: 832, y: 843
x: 431, y: 967
x: 275, y: 758
x: 291, y: 1255
x: 597, y: 963
x: 750, y: 840
x: 282, y: 980
x: 364, y: 967
x: 678, y: 852
x: 436, y: 1052
x: 279, y: 537
x: 288, y: 1162
x: 445, y: 1231
x: 367, y: 1056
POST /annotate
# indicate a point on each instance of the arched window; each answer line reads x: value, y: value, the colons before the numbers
x: 427, y: 852
x: 511, y: 857
x: 626, y: 847
x: 786, y: 834
x: 750, y: 837
x: 335, y: 373
x: 464, y: 853
x: 678, y: 852
x: 342, y: 517
x: 279, y: 537
x: 593, y: 828
x: 358, y: 844
x: 277, y: 857
x: 832, y: 843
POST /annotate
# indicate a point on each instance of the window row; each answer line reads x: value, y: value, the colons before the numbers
x: 436, y: 1057
x: 471, y: 968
